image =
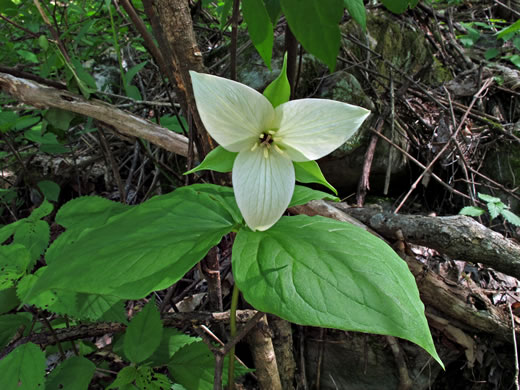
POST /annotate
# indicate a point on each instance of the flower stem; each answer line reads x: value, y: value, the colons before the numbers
x: 233, y: 326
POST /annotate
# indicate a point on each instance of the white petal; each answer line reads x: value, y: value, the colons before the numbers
x: 233, y: 114
x: 312, y: 128
x: 263, y: 186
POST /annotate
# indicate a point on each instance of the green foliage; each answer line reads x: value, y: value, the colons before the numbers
x: 24, y: 368
x: 356, y: 9
x: 316, y: 26
x: 310, y: 172
x: 74, y: 373
x: 259, y: 27
x: 359, y: 283
x: 144, y: 333
x: 219, y: 160
x: 495, y: 207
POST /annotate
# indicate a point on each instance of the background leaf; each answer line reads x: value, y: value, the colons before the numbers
x: 316, y: 26
x: 358, y: 284
x: 472, y: 211
x: 356, y: 9
x: 24, y: 368
x: 259, y: 27
x: 511, y: 217
x: 143, y: 335
x: 310, y: 172
x: 74, y: 373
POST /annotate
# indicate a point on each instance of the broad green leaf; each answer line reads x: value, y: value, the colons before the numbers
x: 224, y: 196
x: 321, y: 272
x: 193, y: 366
x: 8, y: 300
x: 172, y: 123
x: 148, y: 247
x: 304, y: 195
x: 24, y: 368
x: 279, y: 91
x: 274, y: 9
x: 515, y: 59
x: 508, y: 30
x: 495, y: 209
x: 89, y: 212
x: 42, y: 211
x: 59, y: 118
x: 259, y: 27
x: 124, y: 377
x: 491, y: 53
x: 28, y: 56
x: 147, y: 379
x: 472, y: 211
x: 396, y: 6
x: 510, y: 217
x: 143, y: 335
x: 81, y: 74
x: 219, y: 160
x: 9, y: 325
x: 356, y: 9
x: 172, y: 341
x: 488, y: 198
x: 50, y: 190
x: 134, y: 70
x: 14, y: 260
x: 74, y: 373
x: 316, y: 26
x: 225, y: 10
x: 310, y: 172
x: 35, y: 237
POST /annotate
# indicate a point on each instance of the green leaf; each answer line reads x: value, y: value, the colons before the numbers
x: 279, y: 91
x: 225, y: 10
x: 143, y: 335
x: 28, y: 56
x: 43, y: 42
x: 472, y: 211
x: 316, y: 26
x: 41, y: 211
x: 515, y: 59
x: 508, y: 30
x: 510, y: 217
x: 224, y: 196
x: 396, y: 6
x: 259, y: 27
x: 304, y: 195
x: 321, y: 272
x: 9, y: 325
x: 59, y: 118
x: 356, y: 9
x: 50, y: 190
x: 488, y: 198
x: 491, y: 53
x: 310, y: 172
x: 147, y: 379
x: 495, y: 209
x: 274, y: 9
x: 8, y: 300
x: 193, y: 367
x: 35, y: 237
x: 124, y: 377
x: 219, y: 160
x: 24, y: 368
x: 14, y: 260
x: 172, y: 341
x: 74, y: 373
x: 148, y: 247
x: 172, y: 123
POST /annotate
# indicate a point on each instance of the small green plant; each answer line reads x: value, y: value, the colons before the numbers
x: 495, y: 208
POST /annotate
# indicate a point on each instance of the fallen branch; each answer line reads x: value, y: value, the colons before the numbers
x: 41, y: 96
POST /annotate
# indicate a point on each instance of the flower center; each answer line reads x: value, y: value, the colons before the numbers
x: 266, y: 140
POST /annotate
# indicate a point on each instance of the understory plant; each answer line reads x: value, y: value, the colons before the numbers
x: 495, y: 207
x: 308, y: 270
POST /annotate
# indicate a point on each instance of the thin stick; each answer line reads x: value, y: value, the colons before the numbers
x: 516, y: 350
x: 233, y: 327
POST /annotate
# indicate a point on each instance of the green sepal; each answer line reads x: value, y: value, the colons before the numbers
x: 304, y: 195
x: 279, y: 90
x: 310, y: 172
x: 219, y: 160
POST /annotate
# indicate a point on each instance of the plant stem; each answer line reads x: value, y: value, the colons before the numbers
x: 233, y: 327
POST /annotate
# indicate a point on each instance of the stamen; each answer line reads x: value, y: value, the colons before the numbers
x: 278, y: 149
x: 261, y: 136
x: 271, y: 132
x: 266, y: 153
x: 254, y: 146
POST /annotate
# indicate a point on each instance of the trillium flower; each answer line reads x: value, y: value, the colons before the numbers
x: 268, y: 139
